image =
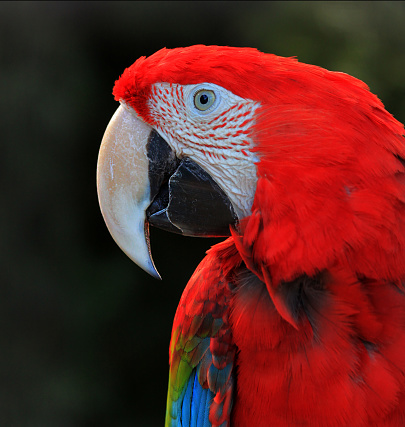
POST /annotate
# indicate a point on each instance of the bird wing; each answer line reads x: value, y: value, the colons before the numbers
x: 202, y: 352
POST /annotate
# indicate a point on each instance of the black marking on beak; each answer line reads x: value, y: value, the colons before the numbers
x: 185, y: 199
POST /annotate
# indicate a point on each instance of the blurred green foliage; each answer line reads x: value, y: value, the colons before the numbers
x: 84, y: 333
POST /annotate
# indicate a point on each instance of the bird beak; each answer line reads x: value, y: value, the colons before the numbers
x: 123, y: 185
x: 140, y: 181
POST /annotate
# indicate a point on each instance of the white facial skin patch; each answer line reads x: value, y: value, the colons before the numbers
x: 212, y: 126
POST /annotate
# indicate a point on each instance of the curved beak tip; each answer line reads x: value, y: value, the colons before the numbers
x: 123, y: 186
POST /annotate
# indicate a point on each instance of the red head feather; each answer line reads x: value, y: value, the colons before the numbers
x: 330, y: 182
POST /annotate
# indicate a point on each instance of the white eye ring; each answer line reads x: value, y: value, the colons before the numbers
x: 204, y: 99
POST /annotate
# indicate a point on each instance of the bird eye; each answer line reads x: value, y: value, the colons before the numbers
x: 204, y: 99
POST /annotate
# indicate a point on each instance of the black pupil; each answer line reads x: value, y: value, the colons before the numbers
x: 204, y: 98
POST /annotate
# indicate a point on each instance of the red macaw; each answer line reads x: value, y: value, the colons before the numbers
x: 298, y: 318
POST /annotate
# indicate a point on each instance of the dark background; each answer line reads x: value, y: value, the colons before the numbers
x: 84, y: 333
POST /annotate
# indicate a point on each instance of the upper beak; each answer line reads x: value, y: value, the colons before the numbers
x: 123, y: 185
x: 140, y: 181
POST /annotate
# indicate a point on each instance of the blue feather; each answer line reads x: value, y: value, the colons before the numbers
x: 196, y: 404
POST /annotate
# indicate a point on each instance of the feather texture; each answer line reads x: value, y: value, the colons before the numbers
x: 202, y: 353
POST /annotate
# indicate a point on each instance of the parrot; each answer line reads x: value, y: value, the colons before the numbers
x: 296, y: 318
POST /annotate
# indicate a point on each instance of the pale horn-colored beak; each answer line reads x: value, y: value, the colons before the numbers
x: 123, y: 185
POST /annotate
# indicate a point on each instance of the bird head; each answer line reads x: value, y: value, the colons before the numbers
x: 303, y: 164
